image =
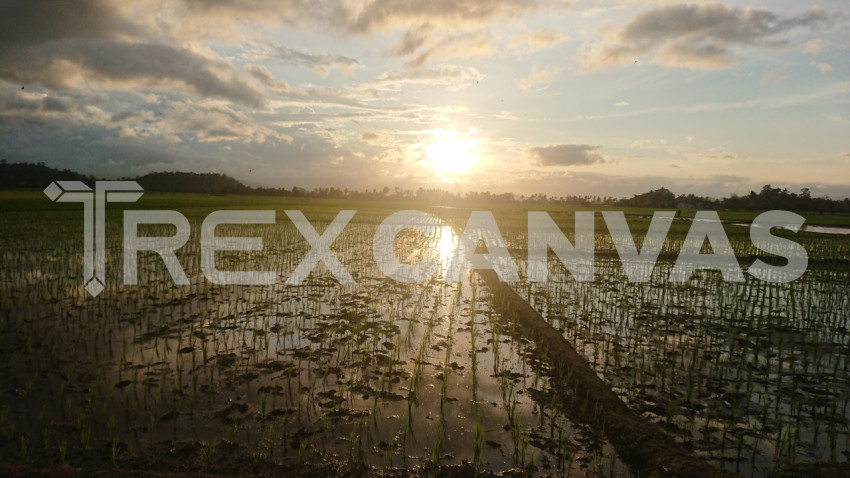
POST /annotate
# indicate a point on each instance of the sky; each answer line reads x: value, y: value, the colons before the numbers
x: 587, y: 97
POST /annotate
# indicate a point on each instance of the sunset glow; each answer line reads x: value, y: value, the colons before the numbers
x: 556, y: 97
x: 452, y: 153
x: 387, y: 238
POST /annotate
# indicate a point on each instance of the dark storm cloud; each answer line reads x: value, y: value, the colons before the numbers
x: 566, y: 155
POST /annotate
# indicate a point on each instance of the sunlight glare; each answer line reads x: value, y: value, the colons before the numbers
x: 447, y: 244
x: 452, y: 152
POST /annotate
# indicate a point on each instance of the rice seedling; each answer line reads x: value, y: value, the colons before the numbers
x: 295, y: 373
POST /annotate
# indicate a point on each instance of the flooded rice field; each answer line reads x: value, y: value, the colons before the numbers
x: 386, y: 378
x: 386, y: 375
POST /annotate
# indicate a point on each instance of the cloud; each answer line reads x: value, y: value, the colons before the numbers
x: 774, y: 76
x: 68, y: 142
x: 83, y: 57
x: 94, y: 44
x: 729, y: 178
x: 453, y: 77
x: 816, y: 45
x: 823, y: 67
x: 211, y: 121
x: 448, y: 46
x: 547, y: 75
x: 30, y: 22
x: 697, y: 36
x: 377, y: 15
x: 19, y: 104
x: 412, y: 40
x: 291, y: 13
x: 172, y: 122
x: 370, y: 136
x: 442, y: 29
x: 426, y: 43
x: 538, y: 40
x: 154, y: 65
x: 264, y: 76
x: 719, y: 152
x: 649, y: 143
x: 363, y: 17
x: 566, y: 155
x: 694, y: 54
x: 321, y: 63
x: 621, y: 103
x: 837, y: 89
x: 447, y: 29
x: 51, y: 103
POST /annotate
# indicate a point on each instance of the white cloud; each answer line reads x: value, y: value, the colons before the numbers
x: 815, y: 46
x: 452, y: 77
x: 649, y: 143
x: 823, y: 67
x: 544, y: 76
x: 538, y: 40
x: 506, y: 115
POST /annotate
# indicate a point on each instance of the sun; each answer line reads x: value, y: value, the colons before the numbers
x: 452, y: 152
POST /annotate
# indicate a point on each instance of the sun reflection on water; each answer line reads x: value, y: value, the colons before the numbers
x: 446, y: 247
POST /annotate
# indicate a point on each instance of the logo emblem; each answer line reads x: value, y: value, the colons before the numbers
x: 94, y: 220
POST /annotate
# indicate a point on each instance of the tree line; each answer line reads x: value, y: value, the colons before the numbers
x: 39, y: 175
x: 768, y: 198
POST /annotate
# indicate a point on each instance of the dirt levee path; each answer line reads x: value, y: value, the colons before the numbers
x: 641, y: 444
